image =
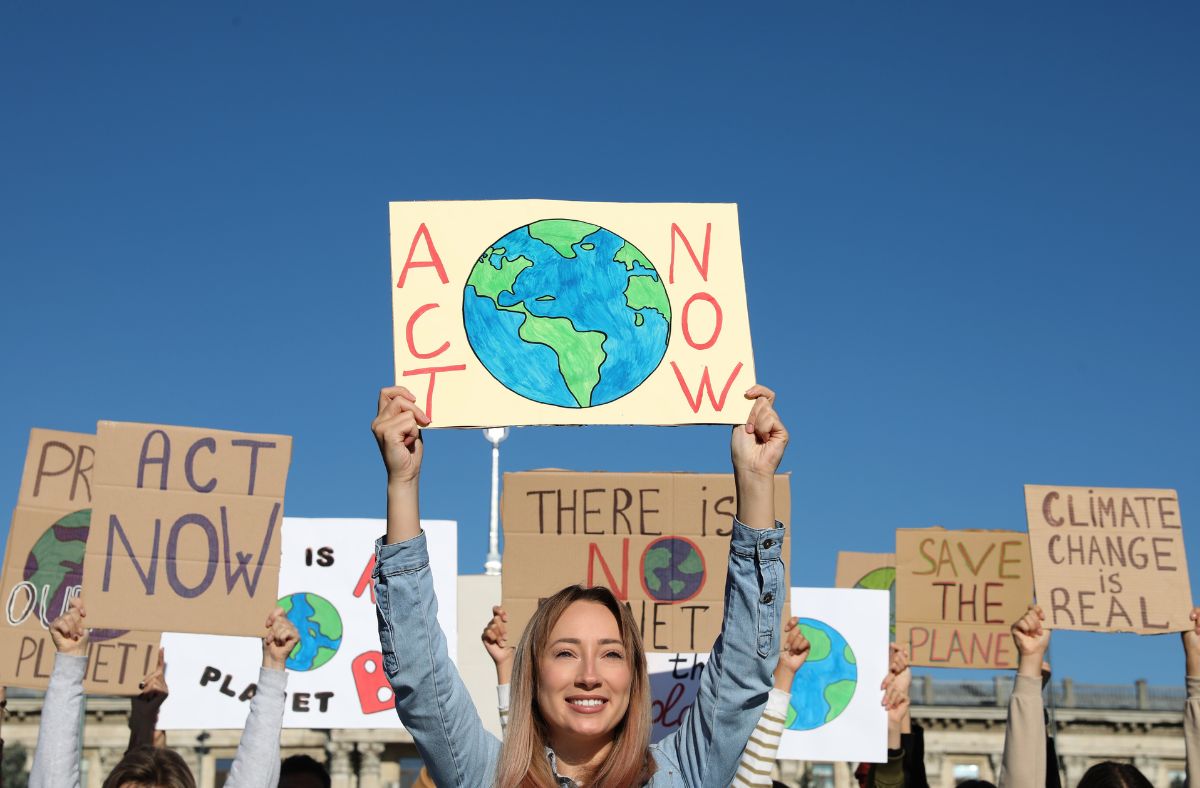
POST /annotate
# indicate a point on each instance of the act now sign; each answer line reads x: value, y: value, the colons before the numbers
x: 548, y: 312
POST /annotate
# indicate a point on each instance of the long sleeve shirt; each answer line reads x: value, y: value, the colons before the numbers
x: 59, y: 749
x: 434, y: 705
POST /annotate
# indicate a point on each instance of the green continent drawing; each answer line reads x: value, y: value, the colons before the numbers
x: 320, y: 628
x: 566, y: 313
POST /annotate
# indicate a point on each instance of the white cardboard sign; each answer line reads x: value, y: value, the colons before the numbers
x: 335, y: 680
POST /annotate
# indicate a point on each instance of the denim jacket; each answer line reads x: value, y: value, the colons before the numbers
x: 434, y: 705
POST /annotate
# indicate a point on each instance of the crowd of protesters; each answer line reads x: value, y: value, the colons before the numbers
x: 573, y: 688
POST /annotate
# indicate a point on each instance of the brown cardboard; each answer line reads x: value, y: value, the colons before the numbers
x: 562, y: 528
x: 1109, y: 559
x: 957, y: 594
x: 872, y: 571
x: 187, y: 528
x: 42, y: 573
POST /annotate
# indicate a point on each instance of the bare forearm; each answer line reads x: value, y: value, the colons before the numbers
x: 755, y: 499
x: 403, y: 511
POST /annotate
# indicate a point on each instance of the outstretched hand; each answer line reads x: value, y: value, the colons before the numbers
x: 397, y: 428
x: 1191, y: 644
x: 1032, y: 639
x: 757, y: 446
x: 154, y: 686
x: 67, y: 631
x: 792, y: 655
x: 281, y: 637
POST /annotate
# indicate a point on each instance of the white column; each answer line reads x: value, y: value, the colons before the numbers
x: 368, y: 768
x: 339, y: 764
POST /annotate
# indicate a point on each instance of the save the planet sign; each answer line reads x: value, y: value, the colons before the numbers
x: 335, y: 673
x: 547, y: 312
x: 660, y: 541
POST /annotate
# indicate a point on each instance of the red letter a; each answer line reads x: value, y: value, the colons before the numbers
x: 434, y: 261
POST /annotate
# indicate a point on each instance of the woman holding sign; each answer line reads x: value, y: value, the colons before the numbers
x: 580, y: 712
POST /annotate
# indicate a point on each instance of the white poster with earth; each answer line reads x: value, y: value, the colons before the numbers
x: 335, y: 675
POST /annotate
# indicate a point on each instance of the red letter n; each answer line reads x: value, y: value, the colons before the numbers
x: 434, y: 261
x: 700, y: 263
x: 622, y: 590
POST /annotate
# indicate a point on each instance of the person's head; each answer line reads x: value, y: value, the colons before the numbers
x: 976, y: 784
x: 579, y: 684
x: 150, y: 767
x: 1110, y: 774
x: 301, y: 771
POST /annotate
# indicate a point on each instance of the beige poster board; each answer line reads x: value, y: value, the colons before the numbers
x: 660, y: 541
x: 873, y: 571
x: 187, y: 528
x: 514, y: 312
x: 43, y: 568
x: 1109, y: 559
x: 957, y: 594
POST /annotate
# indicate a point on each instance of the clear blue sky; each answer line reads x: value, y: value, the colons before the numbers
x: 970, y: 236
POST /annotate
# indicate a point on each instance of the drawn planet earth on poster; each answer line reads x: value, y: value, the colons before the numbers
x: 825, y: 683
x: 320, y: 628
x: 882, y: 579
x: 672, y: 569
x: 566, y: 313
x: 54, y: 568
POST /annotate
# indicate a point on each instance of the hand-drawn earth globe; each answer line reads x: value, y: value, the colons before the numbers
x: 566, y: 313
x: 825, y: 682
x: 882, y: 579
x: 55, y: 566
x: 320, y: 628
x: 672, y: 569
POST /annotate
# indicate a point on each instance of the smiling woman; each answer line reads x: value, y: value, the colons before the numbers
x: 580, y: 711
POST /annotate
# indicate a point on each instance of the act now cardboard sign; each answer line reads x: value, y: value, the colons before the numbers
x: 660, y: 541
x: 43, y: 572
x: 335, y: 674
x: 185, y: 528
x: 516, y: 312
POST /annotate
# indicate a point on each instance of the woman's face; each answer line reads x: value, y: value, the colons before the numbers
x: 584, y: 674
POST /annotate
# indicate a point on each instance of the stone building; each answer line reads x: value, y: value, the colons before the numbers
x: 963, y: 721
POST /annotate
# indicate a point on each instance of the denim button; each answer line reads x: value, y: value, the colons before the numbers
x: 767, y: 598
x: 769, y: 543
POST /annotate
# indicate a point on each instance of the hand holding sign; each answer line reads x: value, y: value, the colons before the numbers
x: 793, y: 654
x: 496, y: 643
x: 1191, y: 644
x: 279, y: 641
x: 756, y: 449
x: 397, y: 429
x: 68, y: 632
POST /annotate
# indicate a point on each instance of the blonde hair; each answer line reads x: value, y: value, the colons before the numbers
x: 523, y: 762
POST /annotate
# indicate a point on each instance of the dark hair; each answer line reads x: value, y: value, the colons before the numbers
x: 148, y: 765
x: 976, y: 784
x: 303, y: 764
x: 1110, y: 774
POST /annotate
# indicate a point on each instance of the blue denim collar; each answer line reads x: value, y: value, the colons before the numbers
x: 563, y: 782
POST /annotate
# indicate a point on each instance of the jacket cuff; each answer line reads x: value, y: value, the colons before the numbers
x: 70, y: 667
x: 777, y: 701
x: 400, y: 557
x: 765, y: 543
x: 1193, y: 687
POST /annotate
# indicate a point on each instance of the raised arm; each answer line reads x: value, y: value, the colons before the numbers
x: 896, y: 686
x: 431, y: 699
x: 143, y: 708
x: 496, y: 643
x: 1025, y: 736
x: 256, y: 764
x: 57, y: 757
x: 758, y: 759
x: 1191, y: 711
x: 734, y: 686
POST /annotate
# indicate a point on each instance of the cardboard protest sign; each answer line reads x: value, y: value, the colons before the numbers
x: 874, y: 571
x: 957, y: 594
x: 547, y: 312
x: 660, y: 541
x: 835, y: 713
x: 43, y: 570
x: 186, y: 532
x: 335, y: 674
x: 1109, y: 559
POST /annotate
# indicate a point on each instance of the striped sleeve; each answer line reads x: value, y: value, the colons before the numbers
x: 502, y: 702
x: 758, y: 759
